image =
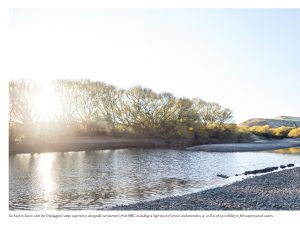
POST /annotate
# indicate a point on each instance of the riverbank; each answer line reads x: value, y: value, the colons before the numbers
x: 247, y: 147
x: 104, y: 142
x: 85, y: 144
x: 273, y: 191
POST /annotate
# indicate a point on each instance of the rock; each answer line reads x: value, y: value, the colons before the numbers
x: 265, y: 170
x: 223, y: 176
x: 290, y: 165
x: 174, y: 181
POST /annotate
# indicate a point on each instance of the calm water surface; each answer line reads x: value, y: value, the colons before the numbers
x: 102, y: 179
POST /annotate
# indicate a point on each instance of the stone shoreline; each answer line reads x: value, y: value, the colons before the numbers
x: 247, y: 147
x: 272, y: 191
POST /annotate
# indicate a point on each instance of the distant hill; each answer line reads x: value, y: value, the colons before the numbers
x: 292, y: 118
x: 279, y: 121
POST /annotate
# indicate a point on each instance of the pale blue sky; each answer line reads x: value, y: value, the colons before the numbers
x: 244, y: 59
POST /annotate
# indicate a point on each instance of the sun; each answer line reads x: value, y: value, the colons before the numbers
x: 46, y: 103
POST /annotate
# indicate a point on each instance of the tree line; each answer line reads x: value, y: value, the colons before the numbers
x: 96, y: 108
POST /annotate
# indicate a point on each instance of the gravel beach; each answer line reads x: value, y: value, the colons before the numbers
x: 247, y: 147
x: 272, y: 191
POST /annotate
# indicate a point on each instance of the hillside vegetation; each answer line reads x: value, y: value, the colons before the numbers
x: 279, y: 127
x: 281, y: 121
x: 273, y: 133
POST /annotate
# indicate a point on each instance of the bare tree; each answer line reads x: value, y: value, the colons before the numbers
x: 211, y: 113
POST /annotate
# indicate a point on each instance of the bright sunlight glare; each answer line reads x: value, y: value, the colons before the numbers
x: 46, y: 173
x: 46, y: 103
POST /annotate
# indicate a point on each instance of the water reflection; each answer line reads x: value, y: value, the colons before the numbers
x: 288, y: 151
x: 45, y: 173
x: 101, y: 179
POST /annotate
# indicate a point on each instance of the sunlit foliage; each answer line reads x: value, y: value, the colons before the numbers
x: 294, y: 133
x: 279, y: 132
x: 96, y: 108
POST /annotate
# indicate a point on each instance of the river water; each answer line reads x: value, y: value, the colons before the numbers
x: 101, y: 179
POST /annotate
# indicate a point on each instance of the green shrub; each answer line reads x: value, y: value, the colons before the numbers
x: 282, y: 132
x: 294, y: 133
x: 279, y: 132
x: 264, y: 131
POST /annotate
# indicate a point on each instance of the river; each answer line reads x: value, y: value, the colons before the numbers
x: 101, y: 179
